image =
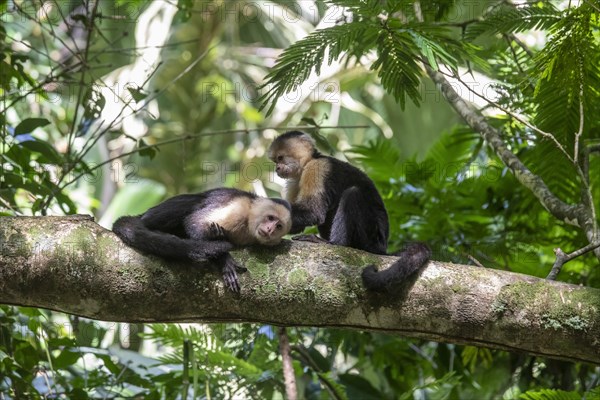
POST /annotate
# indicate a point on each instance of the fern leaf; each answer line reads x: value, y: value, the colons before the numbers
x: 432, y: 50
x: 568, y: 65
x: 550, y: 394
x: 508, y: 18
x: 396, y: 65
x: 300, y: 59
x: 363, y: 8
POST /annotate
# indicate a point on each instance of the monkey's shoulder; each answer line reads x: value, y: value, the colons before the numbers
x: 314, y: 177
x: 343, y: 169
x: 231, y: 215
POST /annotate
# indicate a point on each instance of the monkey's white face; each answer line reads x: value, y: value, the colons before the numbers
x: 270, y: 231
x: 291, y: 155
x: 271, y: 223
x: 287, y: 167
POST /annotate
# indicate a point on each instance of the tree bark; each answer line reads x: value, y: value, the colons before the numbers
x: 71, y: 264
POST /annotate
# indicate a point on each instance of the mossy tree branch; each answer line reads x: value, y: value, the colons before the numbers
x: 73, y: 265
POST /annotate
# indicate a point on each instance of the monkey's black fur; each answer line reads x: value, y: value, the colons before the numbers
x: 177, y: 229
x: 412, y: 258
x: 351, y: 212
x: 346, y: 207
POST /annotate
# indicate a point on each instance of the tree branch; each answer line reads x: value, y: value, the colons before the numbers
x: 578, y: 215
x: 570, y: 214
x: 73, y: 265
x: 289, y: 378
x: 562, y: 258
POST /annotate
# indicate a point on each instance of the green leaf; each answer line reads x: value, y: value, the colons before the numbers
x: 29, y: 125
x: 299, y: 60
x: 147, y: 151
x: 66, y: 358
x: 78, y: 393
x: 94, y: 102
x: 138, y: 93
x: 44, y: 148
x: 109, y: 363
x: 133, y: 199
x: 550, y: 394
x: 508, y: 18
x: 397, y: 67
x: 358, y: 387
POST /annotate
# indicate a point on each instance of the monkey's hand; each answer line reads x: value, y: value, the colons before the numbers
x: 309, y: 238
x: 216, y: 232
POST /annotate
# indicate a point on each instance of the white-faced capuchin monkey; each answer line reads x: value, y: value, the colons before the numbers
x: 343, y: 203
x: 206, y: 226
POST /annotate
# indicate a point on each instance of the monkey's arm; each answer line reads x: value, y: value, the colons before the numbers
x: 307, y: 215
x: 134, y: 233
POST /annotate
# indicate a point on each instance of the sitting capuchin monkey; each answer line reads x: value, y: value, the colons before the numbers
x: 206, y: 226
x: 343, y: 203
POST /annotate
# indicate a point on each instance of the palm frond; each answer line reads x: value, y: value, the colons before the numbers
x: 397, y: 66
x: 458, y: 147
x: 299, y: 60
x: 569, y: 78
x: 509, y: 18
x: 435, y: 45
x: 363, y: 8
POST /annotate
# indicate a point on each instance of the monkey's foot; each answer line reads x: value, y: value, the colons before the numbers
x: 230, y: 269
x: 230, y: 277
x: 309, y: 238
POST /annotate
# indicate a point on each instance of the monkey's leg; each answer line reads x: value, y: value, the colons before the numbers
x: 135, y: 233
x: 356, y: 225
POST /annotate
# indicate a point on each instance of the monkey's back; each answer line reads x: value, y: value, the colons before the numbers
x: 365, y: 207
x: 171, y: 214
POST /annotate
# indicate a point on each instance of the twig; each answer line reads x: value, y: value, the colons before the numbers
x: 185, y: 378
x: 289, y: 378
x: 462, y: 24
x: 475, y: 261
x: 308, y: 360
x: 514, y: 53
x: 534, y: 128
x: 563, y: 258
x: 84, y: 60
x: 591, y: 3
x: 522, y: 45
x: 581, y: 115
x: 586, y: 191
x: 197, y: 135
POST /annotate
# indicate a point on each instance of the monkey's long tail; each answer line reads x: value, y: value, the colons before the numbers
x: 135, y: 234
x: 412, y: 258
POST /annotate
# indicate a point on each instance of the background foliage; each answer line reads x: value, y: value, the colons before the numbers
x: 108, y: 107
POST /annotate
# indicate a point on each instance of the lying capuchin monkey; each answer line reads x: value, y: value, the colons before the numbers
x: 206, y: 226
x: 343, y: 203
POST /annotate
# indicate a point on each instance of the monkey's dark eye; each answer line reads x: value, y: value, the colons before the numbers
x: 279, y: 158
x: 279, y: 226
x: 271, y: 217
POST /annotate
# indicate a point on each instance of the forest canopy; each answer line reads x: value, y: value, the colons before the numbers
x: 476, y: 120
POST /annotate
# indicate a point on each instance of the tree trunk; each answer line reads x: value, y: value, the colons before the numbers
x: 73, y: 265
